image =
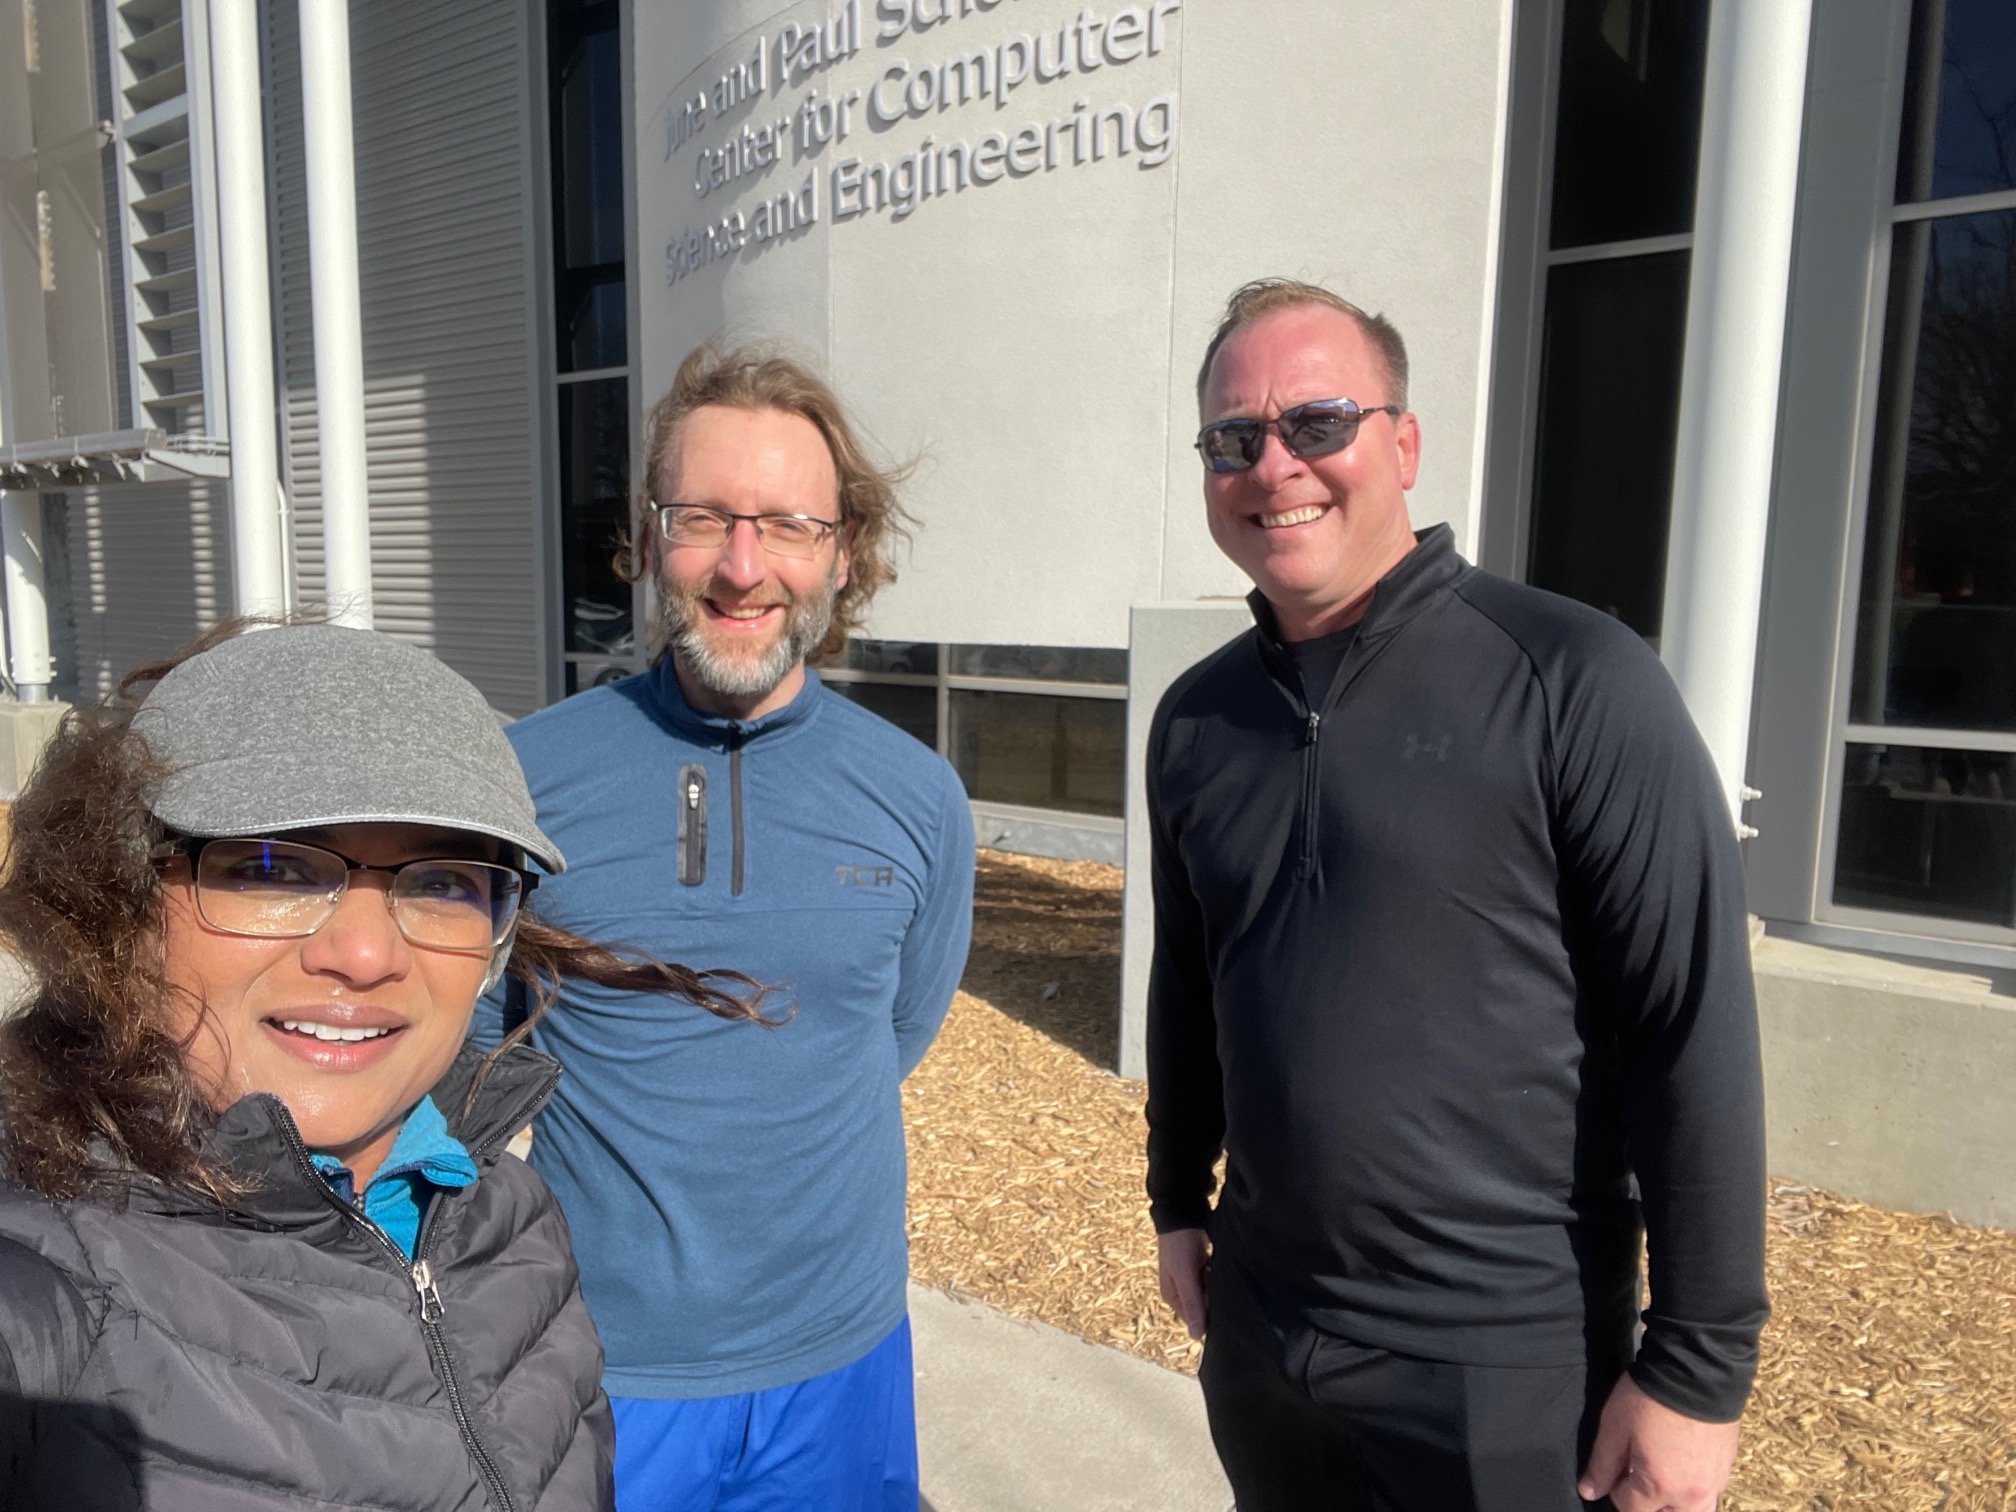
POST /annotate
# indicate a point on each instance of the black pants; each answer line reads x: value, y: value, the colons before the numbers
x: 1307, y: 1422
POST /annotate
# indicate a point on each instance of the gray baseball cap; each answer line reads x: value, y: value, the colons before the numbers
x: 305, y: 725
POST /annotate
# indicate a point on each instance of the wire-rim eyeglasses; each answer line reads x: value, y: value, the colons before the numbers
x: 709, y: 526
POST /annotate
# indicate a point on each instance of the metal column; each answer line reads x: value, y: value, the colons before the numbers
x: 339, y: 325
x: 258, y: 542
x: 1736, y: 301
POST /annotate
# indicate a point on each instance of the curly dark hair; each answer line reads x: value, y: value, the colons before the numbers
x: 872, y: 520
x: 93, y: 1080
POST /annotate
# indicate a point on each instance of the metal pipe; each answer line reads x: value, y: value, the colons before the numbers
x: 258, y: 546
x: 1738, y: 289
x: 339, y: 323
x: 28, y: 663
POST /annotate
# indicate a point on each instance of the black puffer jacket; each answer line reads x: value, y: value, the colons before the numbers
x: 175, y: 1357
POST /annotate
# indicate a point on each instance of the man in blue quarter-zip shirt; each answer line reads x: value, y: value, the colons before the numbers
x: 737, y: 1197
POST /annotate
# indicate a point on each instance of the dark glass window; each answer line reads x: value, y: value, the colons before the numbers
x: 1626, y: 136
x: 911, y: 709
x: 581, y: 676
x: 1629, y: 122
x: 586, y: 92
x: 1039, y: 751
x: 1609, y: 409
x: 594, y: 513
x: 1959, y: 101
x: 1936, y: 637
x: 917, y: 657
x: 1928, y: 831
x: 1088, y: 664
x: 1925, y: 830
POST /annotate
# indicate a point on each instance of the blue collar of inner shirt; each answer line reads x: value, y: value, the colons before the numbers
x: 424, y: 1148
x: 718, y: 729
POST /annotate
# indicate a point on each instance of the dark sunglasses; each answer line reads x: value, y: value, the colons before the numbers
x: 1315, y: 429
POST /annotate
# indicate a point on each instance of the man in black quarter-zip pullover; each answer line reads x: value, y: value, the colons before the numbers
x: 1451, y: 963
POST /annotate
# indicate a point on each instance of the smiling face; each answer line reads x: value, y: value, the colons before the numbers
x: 1317, y: 533
x: 350, y: 1026
x: 740, y: 619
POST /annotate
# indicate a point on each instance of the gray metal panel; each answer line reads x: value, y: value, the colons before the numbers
x: 1513, y: 408
x: 55, y: 327
x: 444, y: 211
x: 1833, y: 345
x: 149, y: 570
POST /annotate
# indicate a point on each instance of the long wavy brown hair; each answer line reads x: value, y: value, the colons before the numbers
x: 872, y: 520
x: 93, y: 1081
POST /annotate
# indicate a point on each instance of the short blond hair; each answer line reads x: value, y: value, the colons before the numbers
x: 872, y: 520
x: 1263, y: 296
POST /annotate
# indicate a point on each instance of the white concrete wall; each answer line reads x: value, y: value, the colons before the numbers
x: 1035, y: 339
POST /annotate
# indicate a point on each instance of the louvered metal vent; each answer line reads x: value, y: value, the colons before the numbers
x: 160, y: 89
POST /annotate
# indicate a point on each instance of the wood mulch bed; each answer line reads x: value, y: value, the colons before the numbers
x: 1889, y: 1370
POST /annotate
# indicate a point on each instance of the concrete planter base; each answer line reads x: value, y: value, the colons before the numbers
x: 1891, y: 1082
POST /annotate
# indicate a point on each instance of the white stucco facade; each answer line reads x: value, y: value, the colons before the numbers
x: 1034, y: 339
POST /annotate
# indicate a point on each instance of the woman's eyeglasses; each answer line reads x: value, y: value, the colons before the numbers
x: 280, y: 889
x: 1315, y: 429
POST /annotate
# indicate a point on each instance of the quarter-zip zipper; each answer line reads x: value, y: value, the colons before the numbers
x: 1312, y: 715
x: 736, y: 737
x: 1311, y: 790
x: 420, y: 1273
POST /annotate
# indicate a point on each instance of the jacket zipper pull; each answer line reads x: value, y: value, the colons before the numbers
x: 431, y: 1309
x: 1315, y: 723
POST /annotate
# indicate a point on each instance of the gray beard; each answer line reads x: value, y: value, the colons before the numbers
x: 680, y: 626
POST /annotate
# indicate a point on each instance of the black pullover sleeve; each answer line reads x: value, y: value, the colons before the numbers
x: 1186, y: 1090
x: 1654, y: 883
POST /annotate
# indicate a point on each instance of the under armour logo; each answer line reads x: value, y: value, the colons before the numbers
x: 866, y: 876
x: 1416, y: 746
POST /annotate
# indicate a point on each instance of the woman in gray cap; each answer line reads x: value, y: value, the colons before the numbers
x: 260, y: 1245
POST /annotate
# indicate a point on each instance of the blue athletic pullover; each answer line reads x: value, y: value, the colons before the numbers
x: 736, y: 1193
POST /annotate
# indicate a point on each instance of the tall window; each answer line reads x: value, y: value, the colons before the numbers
x: 585, y: 106
x: 1928, y: 790
x: 1627, y: 131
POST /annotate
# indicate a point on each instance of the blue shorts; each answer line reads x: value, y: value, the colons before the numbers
x: 845, y: 1441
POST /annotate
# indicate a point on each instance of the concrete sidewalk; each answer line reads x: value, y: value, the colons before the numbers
x: 1019, y: 1417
